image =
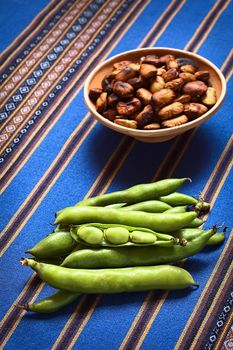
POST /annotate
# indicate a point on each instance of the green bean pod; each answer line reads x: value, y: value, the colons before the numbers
x: 191, y: 233
x: 177, y: 199
x: 55, y: 245
x: 52, y: 303
x: 178, y: 209
x: 116, y: 205
x: 136, y: 256
x: 197, y: 222
x: 132, y: 279
x: 152, y: 206
x: 110, y: 235
x: 160, y: 222
x: 216, y: 239
x: 135, y: 194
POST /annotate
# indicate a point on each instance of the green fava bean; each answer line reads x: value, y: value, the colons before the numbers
x: 142, y: 237
x: 152, y: 206
x: 216, y: 239
x: 161, y: 222
x: 195, y: 223
x: 177, y: 199
x: 116, y: 235
x: 136, y: 256
x: 52, y: 303
x: 56, y: 244
x: 91, y: 235
x: 116, y: 205
x: 135, y: 194
x: 133, y: 279
x: 178, y: 209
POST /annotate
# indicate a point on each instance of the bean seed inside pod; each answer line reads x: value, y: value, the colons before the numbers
x: 116, y: 235
x: 91, y: 235
x: 142, y: 237
x: 122, y: 89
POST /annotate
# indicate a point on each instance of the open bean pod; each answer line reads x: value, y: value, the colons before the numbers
x: 115, y: 235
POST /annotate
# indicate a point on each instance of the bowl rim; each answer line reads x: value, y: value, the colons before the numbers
x: 158, y: 132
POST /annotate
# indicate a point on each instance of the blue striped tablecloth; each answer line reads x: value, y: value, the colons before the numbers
x: 53, y: 153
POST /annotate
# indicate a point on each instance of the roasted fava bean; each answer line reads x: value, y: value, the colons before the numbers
x: 112, y: 100
x: 152, y: 126
x: 125, y: 74
x: 135, y: 67
x: 195, y: 88
x: 194, y: 110
x: 145, y: 116
x: 171, y: 123
x: 165, y: 58
x: 123, y: 89
x: 107, y: 84
x: 110, y: 114
x: 132, y: 124
x: 170, y: 74
x: 163, y: 97
x: 172, y: 64
x: 188, y: 68
x: 161, y: 71
x: 187, y: 77
x: 210, y: 98
x: 203, y: 75
x: 95, y: 93
x: 101, y: 103
x: 121, y: 64
x: 129, y: 107
x: 138, y: 82
x: 183, y: 99
x: 150, y: 59
x: 182, y: 61
x: 171, y: 110
x: 148, y: 70
x: 144, y: 96
x: 157, y: 84
x: 175, y: 84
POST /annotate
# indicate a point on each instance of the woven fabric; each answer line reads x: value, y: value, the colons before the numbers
x: 53, y: 154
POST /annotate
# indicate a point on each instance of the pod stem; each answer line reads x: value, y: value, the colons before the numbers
x: 22, y: 307
x: 24, y: 262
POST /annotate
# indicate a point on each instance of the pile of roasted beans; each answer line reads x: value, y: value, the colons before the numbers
x: 157, y: 92
x: 123, y: 241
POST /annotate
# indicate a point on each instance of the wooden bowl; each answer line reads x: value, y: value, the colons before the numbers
x: 95, y: 78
